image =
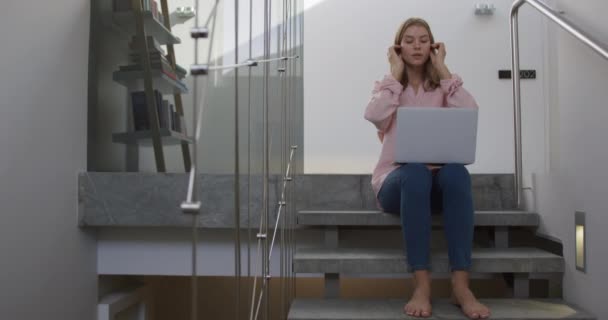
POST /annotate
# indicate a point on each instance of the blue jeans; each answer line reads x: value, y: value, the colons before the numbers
x: 413, y: 192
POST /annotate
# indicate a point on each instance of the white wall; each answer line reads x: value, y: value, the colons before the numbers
x: 137, y: 251
x: 47, y: 264
x: 145, y: 251
x: 577, y: 176
x: 346, y: 52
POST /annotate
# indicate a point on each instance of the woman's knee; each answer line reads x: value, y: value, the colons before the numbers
x: 454, y: 176
x: 415, y: 169
x: 416, y: 175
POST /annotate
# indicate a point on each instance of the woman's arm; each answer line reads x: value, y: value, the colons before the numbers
x: 455, y: 95
x: 451, y: 85
x: 384, y: 102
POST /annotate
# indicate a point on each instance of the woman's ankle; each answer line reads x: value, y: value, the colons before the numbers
x: 422, y: 280
x: 460, y: 280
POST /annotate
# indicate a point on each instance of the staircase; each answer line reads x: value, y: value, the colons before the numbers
x: 497, y: 254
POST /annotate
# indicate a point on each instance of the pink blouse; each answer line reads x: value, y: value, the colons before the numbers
x: 387, y: 95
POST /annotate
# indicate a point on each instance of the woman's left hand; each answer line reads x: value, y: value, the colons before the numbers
x: 438, y: 54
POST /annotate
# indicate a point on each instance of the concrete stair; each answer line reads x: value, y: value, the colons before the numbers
x: 519, y: 264
x: 378, y: 218
x: 485, y: 260
x: 502, y: 309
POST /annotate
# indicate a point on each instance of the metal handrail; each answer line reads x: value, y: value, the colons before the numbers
x: 567, y: 25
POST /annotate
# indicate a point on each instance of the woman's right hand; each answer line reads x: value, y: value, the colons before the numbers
x: 396, y: 62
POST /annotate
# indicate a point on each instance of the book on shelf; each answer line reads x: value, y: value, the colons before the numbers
x: 157, y: 60
x: 159, y: 107
x: 182, y: 123
x: 176, y: 122
x: 140, y: 111
x: 165, y: 116
x: 173, y: 114
x: 163, y: 68
x: 157, y: 63
x: 141, y: 119
x: 152, y: 55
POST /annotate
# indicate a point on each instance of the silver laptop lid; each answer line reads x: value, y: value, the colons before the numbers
x: 436, y: 135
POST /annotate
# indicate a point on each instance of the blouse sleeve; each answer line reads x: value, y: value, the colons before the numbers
x: 456, y: 96
x: 384, y: 102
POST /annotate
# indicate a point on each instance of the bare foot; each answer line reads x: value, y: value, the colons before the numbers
x: 469, y: 304
x: 420, y: 303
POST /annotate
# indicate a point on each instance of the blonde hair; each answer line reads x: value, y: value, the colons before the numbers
x: 431, y: 76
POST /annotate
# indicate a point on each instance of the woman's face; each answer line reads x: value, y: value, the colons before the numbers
x: 415, y: 46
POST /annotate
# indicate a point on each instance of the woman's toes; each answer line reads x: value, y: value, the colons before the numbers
x: 485, y: 314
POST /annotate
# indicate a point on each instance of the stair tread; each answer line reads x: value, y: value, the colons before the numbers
x: 389, y: 309
x: 379, y: 218
x: 375, y: 260
x: 374, y: 253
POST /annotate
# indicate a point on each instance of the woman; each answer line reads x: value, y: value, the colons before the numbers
x: 419, y: 77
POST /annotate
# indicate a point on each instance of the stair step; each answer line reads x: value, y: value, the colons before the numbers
x: 485, y: 260
x: 378, y: 218
x: 391, y: 309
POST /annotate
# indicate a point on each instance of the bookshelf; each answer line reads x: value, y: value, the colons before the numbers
x: 151, y: 73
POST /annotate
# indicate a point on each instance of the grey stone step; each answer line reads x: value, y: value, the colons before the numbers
x: 391, y: 309
x: 378, y: 218
x: 354, y: 192
x: 143, y: 199
x: 485, y: 260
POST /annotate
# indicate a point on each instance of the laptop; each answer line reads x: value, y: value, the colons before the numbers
x: 435, y: 135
